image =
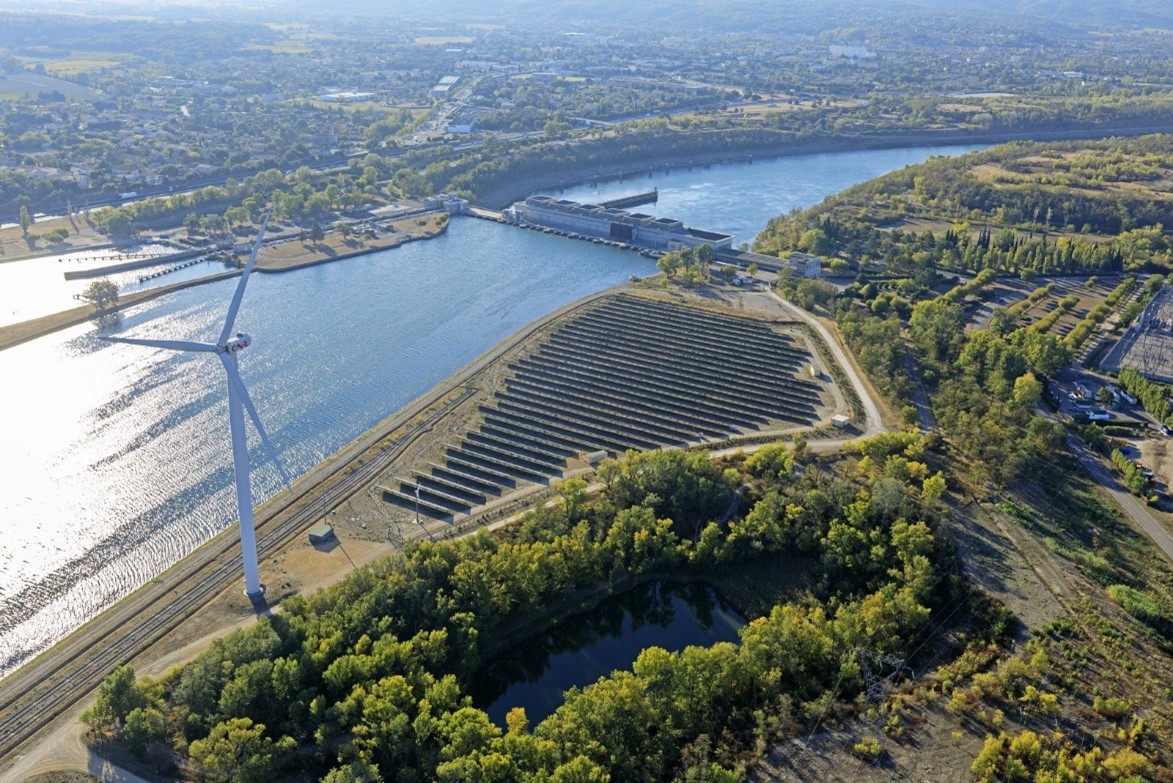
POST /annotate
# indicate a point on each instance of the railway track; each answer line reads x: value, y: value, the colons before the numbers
x: 74, y: 675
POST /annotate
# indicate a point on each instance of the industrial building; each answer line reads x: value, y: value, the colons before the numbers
x: 804, y: 265
x: 454, y: 205
x: 633, y: 228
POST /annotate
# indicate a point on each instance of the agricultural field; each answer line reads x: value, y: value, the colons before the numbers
x: 443, y: 40
x: 78, y: 63
x: 29, y: 83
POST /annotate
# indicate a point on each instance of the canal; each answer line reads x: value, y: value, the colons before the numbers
x: 116, y: 460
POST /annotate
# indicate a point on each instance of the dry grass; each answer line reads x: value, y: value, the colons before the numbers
x: 295, y: 253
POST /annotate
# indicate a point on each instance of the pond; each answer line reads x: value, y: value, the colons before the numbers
x: 577, y: 651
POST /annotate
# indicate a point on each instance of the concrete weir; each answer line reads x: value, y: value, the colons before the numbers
x: 650, y: 197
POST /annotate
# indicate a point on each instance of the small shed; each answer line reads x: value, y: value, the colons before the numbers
x: 594, y: 457
x: 321, y: 534
x: 841, y: 422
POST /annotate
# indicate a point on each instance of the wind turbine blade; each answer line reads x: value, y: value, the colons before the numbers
x: 171, y: 345
x: 230, y: 320
x: 242, y: 392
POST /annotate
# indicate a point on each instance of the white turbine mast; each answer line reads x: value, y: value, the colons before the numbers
x: 226, y: 348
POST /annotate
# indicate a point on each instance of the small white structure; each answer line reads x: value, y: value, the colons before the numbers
x: 453, y: 205
x: 841, y: 421
x: 320, y: 534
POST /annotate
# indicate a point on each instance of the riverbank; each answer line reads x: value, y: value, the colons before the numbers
x: 502, y: 197
x: 176, y: 614
x: 278, y: 257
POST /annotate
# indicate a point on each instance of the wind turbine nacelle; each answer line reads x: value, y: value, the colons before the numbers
x: 239, y: 343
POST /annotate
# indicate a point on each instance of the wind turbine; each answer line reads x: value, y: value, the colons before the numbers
x: 226, y: 348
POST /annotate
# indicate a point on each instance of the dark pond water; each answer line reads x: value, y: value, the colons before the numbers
x: 580, y: 649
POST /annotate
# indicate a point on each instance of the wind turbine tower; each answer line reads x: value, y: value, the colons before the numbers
x: 227, y: 347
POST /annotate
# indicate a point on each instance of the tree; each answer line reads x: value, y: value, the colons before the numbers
x: 118, y: 696
x: 102, y: 294
x: 933, y: 488
x: 237, y: 750
x: 316, y: 233
x: 143, y: 726
x: 26, y: 220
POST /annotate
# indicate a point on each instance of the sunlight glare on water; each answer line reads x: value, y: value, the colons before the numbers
x: 116, y: 459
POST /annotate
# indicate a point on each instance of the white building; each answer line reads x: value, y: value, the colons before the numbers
x: 805, y: 265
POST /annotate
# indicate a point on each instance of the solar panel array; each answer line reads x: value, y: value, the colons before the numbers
x: 628, y: 373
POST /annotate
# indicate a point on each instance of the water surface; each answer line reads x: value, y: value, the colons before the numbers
x: 580, y: 649
x: 116, y: 459
x: 740, y: 198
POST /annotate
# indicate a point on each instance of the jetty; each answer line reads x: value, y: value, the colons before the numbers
x: 140, y: 262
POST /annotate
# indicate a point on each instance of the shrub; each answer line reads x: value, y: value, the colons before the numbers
x: 1111, y: 707
x: 1138, y: 604
x: 868, y: 748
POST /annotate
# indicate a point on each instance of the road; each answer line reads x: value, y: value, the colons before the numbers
x: 873, y: 420
x: 1135, y: 510
x: 924, y: 411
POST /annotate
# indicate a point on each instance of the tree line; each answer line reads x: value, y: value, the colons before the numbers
x: 366, y: 680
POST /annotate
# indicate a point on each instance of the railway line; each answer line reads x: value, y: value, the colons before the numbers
x: 90, y: 654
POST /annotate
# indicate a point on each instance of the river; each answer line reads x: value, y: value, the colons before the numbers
x: 116, y: 460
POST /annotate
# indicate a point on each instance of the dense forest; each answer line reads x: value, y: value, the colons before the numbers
x: 1007, y: 210
x: 368, y: 678
x: 1062, y: 208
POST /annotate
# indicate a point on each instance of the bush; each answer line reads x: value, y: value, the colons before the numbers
x: 1112, y: 708
x: 1138, y: 604
x: 868, y: 748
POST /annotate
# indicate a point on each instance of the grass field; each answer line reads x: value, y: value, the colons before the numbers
x: 29, y: 83
x: 285, y: 47
x: 443, y: 40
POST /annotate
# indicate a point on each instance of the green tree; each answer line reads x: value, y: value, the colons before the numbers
x: 26, y: 220
x: 143, y: 726
x: 238, y: 751
x: 316, y: 233
x: 102, y: 294
x: 118, y: 696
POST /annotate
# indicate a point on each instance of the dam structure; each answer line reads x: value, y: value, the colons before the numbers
x: 612, y: 224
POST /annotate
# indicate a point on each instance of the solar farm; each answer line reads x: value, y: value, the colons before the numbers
x: 626, y: 372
